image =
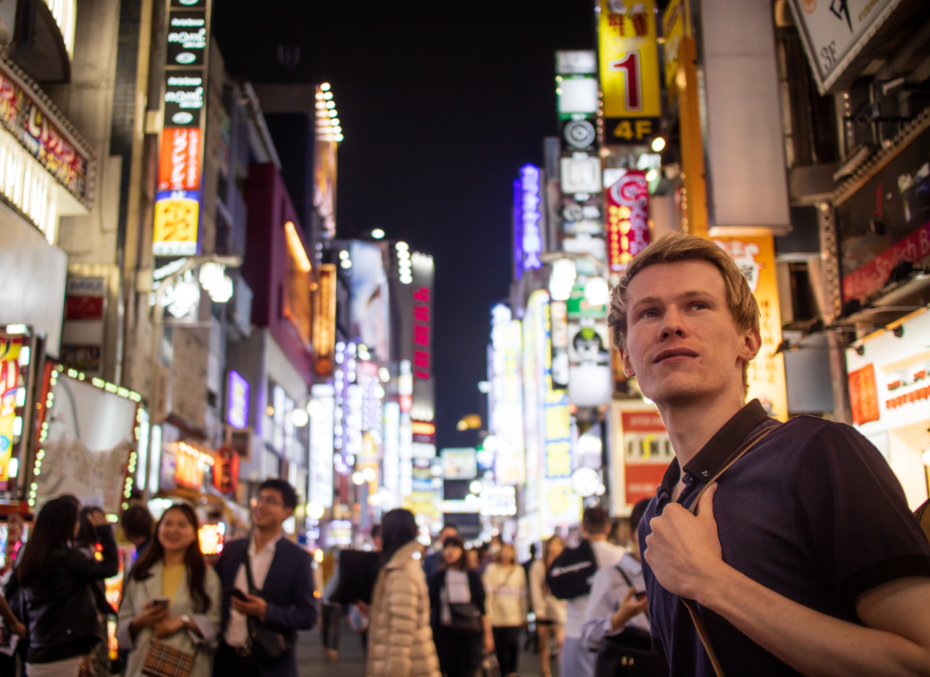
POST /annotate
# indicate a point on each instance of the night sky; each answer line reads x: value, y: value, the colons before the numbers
x: 440, y: 103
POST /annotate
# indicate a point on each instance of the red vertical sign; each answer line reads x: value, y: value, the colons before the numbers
x: 627, y: 219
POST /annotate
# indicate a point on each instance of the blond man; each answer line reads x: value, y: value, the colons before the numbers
x: 803, y: 558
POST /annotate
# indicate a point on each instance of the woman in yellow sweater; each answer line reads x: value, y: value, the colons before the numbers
x: 172, y: 596
x: 506, y: 606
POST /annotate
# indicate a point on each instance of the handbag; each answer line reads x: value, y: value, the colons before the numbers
x: 466, y: 619
x: 690, y: 604
x: 162, y: 660
x: 268, y: 646
x: 489, y: 666
x: 629, y: 653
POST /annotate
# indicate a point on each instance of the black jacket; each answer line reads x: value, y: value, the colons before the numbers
x: 60, y: 607
x: 475, y: 589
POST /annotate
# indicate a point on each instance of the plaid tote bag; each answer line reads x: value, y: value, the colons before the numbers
x: 166, y: 661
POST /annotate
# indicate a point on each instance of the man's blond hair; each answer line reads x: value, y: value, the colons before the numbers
x: 673, y: 248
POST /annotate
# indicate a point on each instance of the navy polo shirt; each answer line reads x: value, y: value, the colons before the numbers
x: 812, y: 512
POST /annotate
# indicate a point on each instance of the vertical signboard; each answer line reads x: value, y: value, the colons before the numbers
x: 322, y: 421
x: 506, y: 414
x: 755, y: 256
x: 627, y: 219
x: 676, y: 25
x: 422, y: 408
x: 324, y: 320
x: 9, y: 382
x: 180, y: 163
x: 528, y: 220
x: 629, y: 61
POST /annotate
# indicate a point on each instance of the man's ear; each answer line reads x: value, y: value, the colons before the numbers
x: 752, y: 344
x: 627, y: 363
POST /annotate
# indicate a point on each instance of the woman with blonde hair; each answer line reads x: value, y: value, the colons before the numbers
x: 550, y: 611
x: 506, y: 606
x: 172, y: 597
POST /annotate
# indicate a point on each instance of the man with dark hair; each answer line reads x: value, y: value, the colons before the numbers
x: 431, y: 562
x: 614, y: 605
x: 576, y: 660
x: 282, y: 598
x: 138, y: 523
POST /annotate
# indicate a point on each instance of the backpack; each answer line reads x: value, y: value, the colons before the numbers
x: 572, y: 571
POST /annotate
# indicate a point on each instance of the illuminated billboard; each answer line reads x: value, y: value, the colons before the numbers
x: 180, y: 161
x: 629, y: 68
x: 297, y: 295
x: 627, y: 219
x: 506, y: 398
x: 324, y: 320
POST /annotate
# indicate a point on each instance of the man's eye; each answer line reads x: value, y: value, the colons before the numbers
x: 649, y: 313
x: 699, y: 305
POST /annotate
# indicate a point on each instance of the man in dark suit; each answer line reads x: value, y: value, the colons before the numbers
x: 283, y: 580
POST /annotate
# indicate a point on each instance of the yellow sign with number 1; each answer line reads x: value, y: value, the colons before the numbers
x: 629, y: 65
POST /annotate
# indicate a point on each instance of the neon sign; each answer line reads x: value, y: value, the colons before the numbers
x: 528, y: 209
x: 237, y: 410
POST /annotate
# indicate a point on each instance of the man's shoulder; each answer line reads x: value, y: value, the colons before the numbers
x: 291, y: 550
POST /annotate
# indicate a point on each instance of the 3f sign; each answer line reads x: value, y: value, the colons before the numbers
x: 632, y: 81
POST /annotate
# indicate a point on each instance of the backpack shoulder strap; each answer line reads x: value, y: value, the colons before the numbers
x: 690, y: 604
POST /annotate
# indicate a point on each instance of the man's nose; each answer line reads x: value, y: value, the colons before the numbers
x: 672, y: 323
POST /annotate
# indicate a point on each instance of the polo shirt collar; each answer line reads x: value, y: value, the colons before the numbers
x: 718, y: 449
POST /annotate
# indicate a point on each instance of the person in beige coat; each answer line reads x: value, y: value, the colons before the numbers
x: 172, y: 596
x: 400, y: 640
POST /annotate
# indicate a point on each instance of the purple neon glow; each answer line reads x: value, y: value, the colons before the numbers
x: 530, y: 200
x: 237, y: 406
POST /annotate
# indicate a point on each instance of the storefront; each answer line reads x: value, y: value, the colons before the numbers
x: 889, y: 393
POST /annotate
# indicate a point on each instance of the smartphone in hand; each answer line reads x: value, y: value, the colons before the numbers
x: 237, y: 593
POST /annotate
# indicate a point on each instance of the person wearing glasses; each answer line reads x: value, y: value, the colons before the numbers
x: 281, y: 600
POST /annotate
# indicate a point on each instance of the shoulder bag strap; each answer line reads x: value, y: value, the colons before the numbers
x: 248, y: 572
x: 632, y: 587
x: 690, y: 604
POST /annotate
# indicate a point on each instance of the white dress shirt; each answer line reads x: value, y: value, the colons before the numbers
x: 237, y: 631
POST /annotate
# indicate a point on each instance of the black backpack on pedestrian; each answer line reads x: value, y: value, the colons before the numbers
x: 572, y: 571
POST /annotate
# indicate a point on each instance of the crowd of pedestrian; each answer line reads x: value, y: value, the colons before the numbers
x: 178, y: 615
x: 422, y: 614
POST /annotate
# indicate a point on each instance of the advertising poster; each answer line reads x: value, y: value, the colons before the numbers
x: 590, y: 379
x: 629, y: 61
x: 9, y: 382
x: 646, y: 455
x: 368, y: 288
x: 459, y: 464
x: 755, y: 257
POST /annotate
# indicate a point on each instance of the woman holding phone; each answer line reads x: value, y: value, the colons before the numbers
x: 172, y: 597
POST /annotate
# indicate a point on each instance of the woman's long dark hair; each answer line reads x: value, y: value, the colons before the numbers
x: 54, y: 529
x: 399, y: 527
x: 193, y: 559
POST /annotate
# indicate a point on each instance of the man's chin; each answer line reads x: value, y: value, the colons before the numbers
x: 676, y: 393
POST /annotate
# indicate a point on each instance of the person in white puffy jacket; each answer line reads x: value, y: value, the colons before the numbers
x: 506, y: 606
x: 550, y: 611
x: 400, y: 640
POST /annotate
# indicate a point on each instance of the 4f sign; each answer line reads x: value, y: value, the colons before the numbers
x: 629, y: 60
